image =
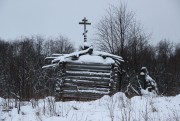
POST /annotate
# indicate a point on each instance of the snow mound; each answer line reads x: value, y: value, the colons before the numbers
x: 147, y: 93
x: 117, y: 108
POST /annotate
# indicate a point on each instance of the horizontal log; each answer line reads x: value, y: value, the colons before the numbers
x: 88, y: 74
x: 87, y: 83
x: 57, y: 54
x: 78, y: 98
x: 81, y: 93
x: 101, y: 79
x: 90, y: 64
x: 86, y: 89
x: 50, y: 58
x: 90, y: 89
x: 85, y: 86
x: 91, y: 69
x: 49, y: 66
x: 71, y: 99
x: 87, y: 70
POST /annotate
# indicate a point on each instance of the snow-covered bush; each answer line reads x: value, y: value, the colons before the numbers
x: 141, y: 84
x: 149, y: 84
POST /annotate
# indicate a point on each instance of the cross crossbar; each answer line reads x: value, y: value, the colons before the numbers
x: 85, y: 22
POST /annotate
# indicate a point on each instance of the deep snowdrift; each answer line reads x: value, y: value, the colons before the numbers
x: 115, y: 108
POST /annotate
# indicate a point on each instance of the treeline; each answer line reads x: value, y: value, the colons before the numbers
x: 22, y: 76
x: 118, y: 32
x: 21, y: 61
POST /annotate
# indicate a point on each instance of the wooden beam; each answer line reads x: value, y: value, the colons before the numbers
x: 88, y: 78
x: 88, y: 74
x: 90, y: 64
x: 86, y: 82
x: 87, y: 70
x: 89, y: 67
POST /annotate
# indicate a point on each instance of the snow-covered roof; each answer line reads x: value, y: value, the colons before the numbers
x: 85, y: 56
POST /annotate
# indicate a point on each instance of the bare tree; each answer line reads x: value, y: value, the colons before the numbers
x: 113, y: 30
x: 137, y: 44
x: 60, y: 45
x: 119, y: 33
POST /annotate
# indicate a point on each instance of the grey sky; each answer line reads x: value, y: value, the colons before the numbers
x: 49, y: 18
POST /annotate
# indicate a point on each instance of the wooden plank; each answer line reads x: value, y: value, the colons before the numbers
x: 88, y: 83
x: 83, y: 93
x: 101, y: 79
x: 85, y: 85
x: 89, y: 74
x: 75, y: 86
x: 92, y: 89
x: 67, y: 96
x: 69, y: 84
x: 87, y: 70
x: 81, y: 97
x: 90, y: 64
x: 85, y: 88
x: 78, y: 98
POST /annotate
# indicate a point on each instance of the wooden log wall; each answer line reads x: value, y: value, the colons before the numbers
x: 88, y: 81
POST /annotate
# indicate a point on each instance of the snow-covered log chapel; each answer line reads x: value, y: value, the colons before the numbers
x: 86, y: 74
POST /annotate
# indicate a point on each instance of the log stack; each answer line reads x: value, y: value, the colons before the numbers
x: 86, y: 75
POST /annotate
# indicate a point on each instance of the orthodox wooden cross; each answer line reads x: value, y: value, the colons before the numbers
x: 85, y: 22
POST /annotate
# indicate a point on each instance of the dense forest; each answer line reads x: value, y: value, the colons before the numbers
x: 21, y: 61
x: 118, y: 32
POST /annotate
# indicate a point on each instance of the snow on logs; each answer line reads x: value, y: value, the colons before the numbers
x: 86, y: 75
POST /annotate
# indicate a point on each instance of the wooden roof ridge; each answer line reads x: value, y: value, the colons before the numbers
x: 57, y: 58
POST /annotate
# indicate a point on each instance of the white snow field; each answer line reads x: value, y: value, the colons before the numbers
x: 115, y: 108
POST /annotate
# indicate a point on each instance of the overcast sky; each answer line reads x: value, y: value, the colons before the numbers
x: 49, y: 18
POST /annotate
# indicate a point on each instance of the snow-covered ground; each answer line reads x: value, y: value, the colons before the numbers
x: 115, y: 108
